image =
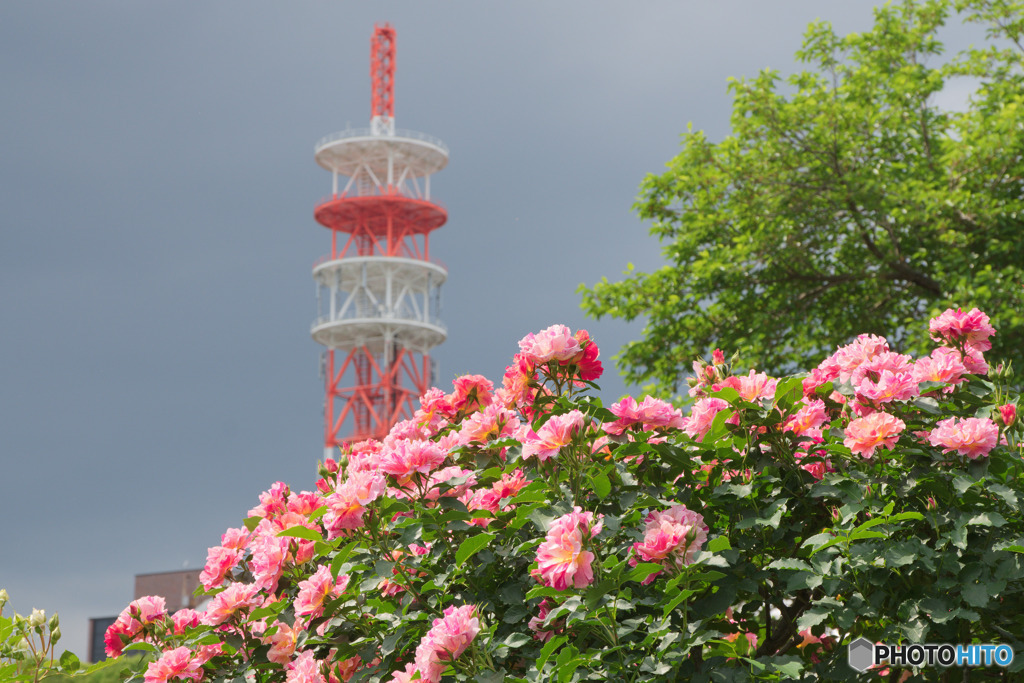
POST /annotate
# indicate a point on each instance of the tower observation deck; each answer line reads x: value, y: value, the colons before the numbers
x: 378, y: 291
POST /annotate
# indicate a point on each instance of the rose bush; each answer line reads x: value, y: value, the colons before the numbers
x: 526, y: 532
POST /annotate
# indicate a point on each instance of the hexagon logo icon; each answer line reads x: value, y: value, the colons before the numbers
x: 860, y: 655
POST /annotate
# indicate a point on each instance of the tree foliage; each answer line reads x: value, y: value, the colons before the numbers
x: 845, y: 200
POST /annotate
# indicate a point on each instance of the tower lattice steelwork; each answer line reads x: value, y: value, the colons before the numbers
x: 378, y: 291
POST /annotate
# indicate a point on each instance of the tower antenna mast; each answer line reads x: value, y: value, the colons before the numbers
x: 378, y: 290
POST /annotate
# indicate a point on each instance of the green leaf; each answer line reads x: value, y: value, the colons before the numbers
x: 812, y: 617
x: 899, y: 555
x: 819, y: 542
x: 252, y: 522
x: 549, y: 647
x: 544, y: 592
x: 515, y: 614
x: 142, y: 647
x: 901, y: 516
x: 790, y: 563
x: 961, y: 484
x: 301, y: 532
x: 643, y: 570
x: 471, y: 546
x: 598, y: 591
x: 718, y: 544
x: 792, y: 669
x: 602, y: 486
x: 993, y: 519
x: 674, y: 602
x: 516, y: 640
x: 341, y: 558
x: 1004, y: 492
x: 976, y: 594
x: 531, y: 495
x: 69, y: 661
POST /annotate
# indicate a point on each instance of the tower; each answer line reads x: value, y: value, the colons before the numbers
x: 378, y: 291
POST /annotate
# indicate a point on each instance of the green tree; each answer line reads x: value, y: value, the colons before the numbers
x: 845, y: 200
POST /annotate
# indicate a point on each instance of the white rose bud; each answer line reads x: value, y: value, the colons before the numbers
x: 37, y: 619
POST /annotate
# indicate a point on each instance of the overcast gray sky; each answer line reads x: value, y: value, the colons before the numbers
x: 157, y: 185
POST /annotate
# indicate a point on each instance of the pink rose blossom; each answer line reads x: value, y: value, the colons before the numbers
x: 674, y: 536
x: 872, y: 368
x: 117, y: 636
x: 148, y: 609
x: 888, y: 387
x: 345, y: 669
x: 272, y: 502
x: 557, y: 432
x: 489, y: 499
x: 518, y: 381
x: 974, y: 361
x: 586, y: 522
x: 944, y: 365
x: 815, y: 378
x: 493, y: 422
x: 472, y: 392
x: 305, y: 669
x: 865, y: 434
x: 406, y: 675
x: 702, y: 415
x: 753, y: 386
x: 406, y: 458
x: 807, y: 419
x: 305, y: 502
x: 268, y: 558
x: 345, y: 507
x: 176, y: 664
x: 561, y: 559
x: 590, y: 367
x: 651, y: 413
x: 281, y: 642
x: 183, y: 619
x: 315, y: 590
x: 554, y: 343
x: 847, y: 359
x: 970, y: 436
x: 536, y: 623
x: 562, y: 562
x: 409, y: 430
x: 236, y: 539
x: 435, y: 409
x: 129, y: 625
x: 232, y: 600
x: 448, y: 637
x: 972, y: 328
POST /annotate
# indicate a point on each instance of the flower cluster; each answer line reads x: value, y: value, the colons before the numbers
x: 447, y: 639
x: 497, y: 518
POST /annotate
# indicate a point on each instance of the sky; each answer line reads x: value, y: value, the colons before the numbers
x: 157, y: 186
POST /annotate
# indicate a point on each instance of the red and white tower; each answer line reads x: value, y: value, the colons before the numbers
x: 378, y: 291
